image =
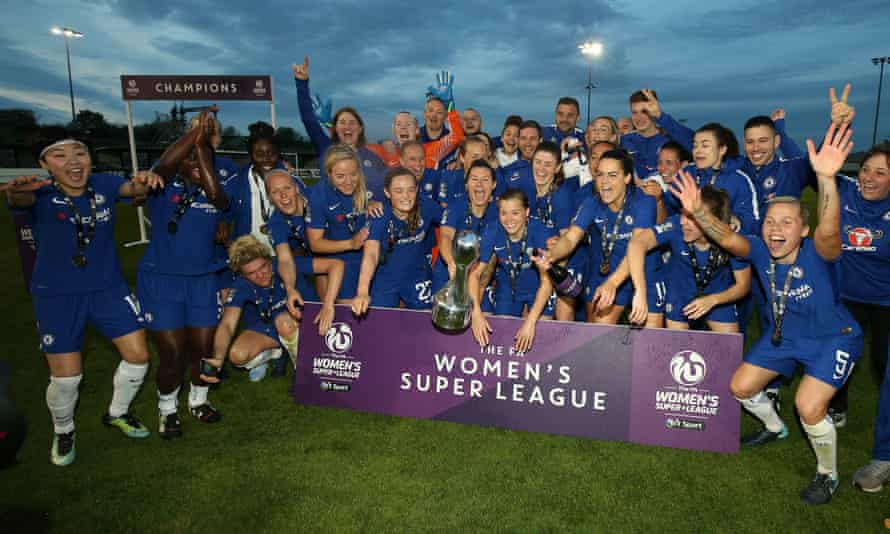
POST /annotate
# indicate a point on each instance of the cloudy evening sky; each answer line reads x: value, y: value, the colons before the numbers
x: 707, y: 62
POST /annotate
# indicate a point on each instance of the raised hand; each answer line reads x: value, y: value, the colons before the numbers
x: 205, y: 128
x: 841, y: 111
x: 301, y: 72
x: 443, y: 88
x: 833, y: 152
x: 322, y: 111
x: 686, y: 191
x: 778, y: 115
x: 653, y: 108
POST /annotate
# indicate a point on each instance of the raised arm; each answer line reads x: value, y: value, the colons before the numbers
x: 307, y: 114
x: 789, y: 148
x: 687, y: 192
x: 673, y: 129
x: 826, y: 163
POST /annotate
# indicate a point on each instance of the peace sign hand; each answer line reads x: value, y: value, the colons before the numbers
x: 841, y: 111
x: 653, y: 108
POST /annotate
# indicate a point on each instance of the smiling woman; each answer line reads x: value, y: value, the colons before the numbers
x: 78, y: 280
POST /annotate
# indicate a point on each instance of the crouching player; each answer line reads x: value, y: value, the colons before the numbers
x: 260, y: 294
x: 808, y: 324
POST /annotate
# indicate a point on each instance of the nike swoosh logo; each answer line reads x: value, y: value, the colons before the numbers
x: 58, y: 201
x: 684, y: 253
x: 848, y: 210
x: 499, y: 248
x: 599, y: 221
x: 335, y: 206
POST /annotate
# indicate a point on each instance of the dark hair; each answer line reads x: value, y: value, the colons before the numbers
x: 480, y: 164
x: 679, y: 150
x: 569, y: 101
x: 261, y: 131
x: 881, y: 149
x: 724, y: 136
x: 639, y: 96
x: 362, y: 141
x: 717, y: 201
x: 414, y: 217
x: 50, y: 135
x: 512, y: 120
x: 531, y: 124
x: 436, y: 99
x: 612, y: 146
x: 553, y: 149
x: 621, y: 156
x: 760, y: 120
x: 515, y: 194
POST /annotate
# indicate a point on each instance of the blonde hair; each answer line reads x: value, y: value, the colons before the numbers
x: 794, y: 201
x: 244, y: 250
x: 343, y: 152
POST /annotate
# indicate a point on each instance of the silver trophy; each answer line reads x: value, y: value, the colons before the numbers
x: 451, y: 304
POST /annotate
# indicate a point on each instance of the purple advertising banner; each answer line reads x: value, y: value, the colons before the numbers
x: 197, y: 87
x: 651, y: 386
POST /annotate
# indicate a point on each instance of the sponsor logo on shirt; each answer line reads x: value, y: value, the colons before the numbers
x: 861, y: 239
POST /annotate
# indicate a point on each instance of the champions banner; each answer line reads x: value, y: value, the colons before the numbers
x: 652, y: 386
x: 198, y: 87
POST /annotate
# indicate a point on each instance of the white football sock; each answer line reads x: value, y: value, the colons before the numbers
x: 168, y: 402
x: 127, y: 381
x: 823, y: 438
x: 263, y: 357
x: 197, y: 395
x: 762, y: 408
x: 61, y: 398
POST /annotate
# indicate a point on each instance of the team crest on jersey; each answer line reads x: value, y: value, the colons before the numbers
x: 100, y: 198
x: 367, y: 163
x: 769, y: 182
x: 224, y: 173
x: 428, y: 187
x: 628, y: 219
x: 47, y: 340
x: 797, y: 272
x: 887, y: 216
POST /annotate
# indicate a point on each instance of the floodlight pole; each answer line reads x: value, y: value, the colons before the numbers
x: 876, y: 61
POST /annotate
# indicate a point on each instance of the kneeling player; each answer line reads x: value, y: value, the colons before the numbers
x: 808, y: 324
x: 260, y: 294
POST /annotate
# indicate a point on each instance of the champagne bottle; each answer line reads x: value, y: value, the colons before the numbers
x: 566, y: 284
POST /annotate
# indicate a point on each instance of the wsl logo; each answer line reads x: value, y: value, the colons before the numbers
x: 688, y: 368
x: 338, y: 338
